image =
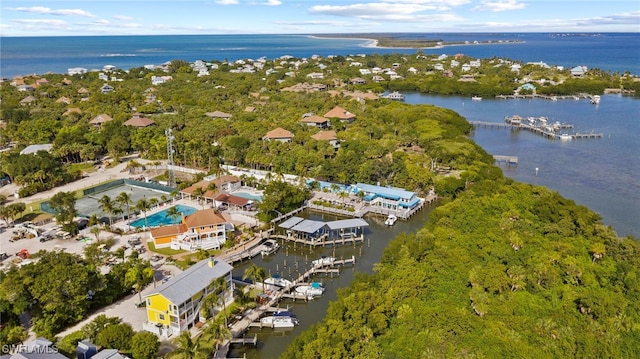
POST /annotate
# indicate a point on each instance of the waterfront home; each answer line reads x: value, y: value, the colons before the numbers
x: 77, y: 71
x: 139, y: 121
x: 226, y: 183
x: 341, y: 114
x: 391, y: 198
x: 233, y: 202
x: 279, y: 134
x: 204, y: 229
x: 316, y: 121
x: 174, y: 307
x: 578, y: 71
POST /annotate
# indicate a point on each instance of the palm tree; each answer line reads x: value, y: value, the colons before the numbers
x: 198, y: 192
x: 257, y: 274
x: 187, y: 348
x: 124, y: 199
x: 107, y: 205
x: 343, y: 195
x: 95, y: 230
x: 208, y: 303
x: 173, y: 212
x: 216, y: 330
x: 138, y: 275
x: 143, y: 206
x: 221, y: 284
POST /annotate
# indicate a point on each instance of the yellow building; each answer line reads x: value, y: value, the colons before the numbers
x: 175, y: 306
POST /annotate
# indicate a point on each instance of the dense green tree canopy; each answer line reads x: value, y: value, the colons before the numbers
x: 503, y: 270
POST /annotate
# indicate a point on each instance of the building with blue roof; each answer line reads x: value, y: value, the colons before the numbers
x: 392, y: 198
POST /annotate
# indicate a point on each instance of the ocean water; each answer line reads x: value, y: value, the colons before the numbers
x: 616, y: 52
x: 602, y: 174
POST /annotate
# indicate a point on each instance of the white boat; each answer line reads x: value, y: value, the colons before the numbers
x: 278, y: 282
x: 313, y: 290
x: 323, y: 261
x: 277, y: 321
x: 391, y: 220
x: 595, y: 99
x: 565, y: 137
x: 270, y: 246
x: 395, y: 95
x: 476, y: 98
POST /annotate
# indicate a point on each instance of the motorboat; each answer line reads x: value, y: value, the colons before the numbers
x: 391, y: 220
x: 313, y: 290
x: 278, y: 281
x: 277, y: 321
x: 395, y: 95
x: 595, y: 99
x: 270, y: 246
x: 323, y: 261
x: 565, y: 137
x: 476, y: 98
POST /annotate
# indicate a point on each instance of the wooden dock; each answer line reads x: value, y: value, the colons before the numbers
x: 508, y: 160
x: 539, y: 130
x: 323, y: 240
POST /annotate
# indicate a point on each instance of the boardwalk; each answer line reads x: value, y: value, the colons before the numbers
x: 545, y: 131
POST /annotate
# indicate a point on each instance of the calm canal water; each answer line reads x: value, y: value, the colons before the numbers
x: 298, y: 259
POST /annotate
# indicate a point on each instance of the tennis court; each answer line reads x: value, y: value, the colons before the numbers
x: 89, y: 203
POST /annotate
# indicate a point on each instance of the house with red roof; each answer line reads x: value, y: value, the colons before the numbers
x: 138, y: 120
x: 279, y: 134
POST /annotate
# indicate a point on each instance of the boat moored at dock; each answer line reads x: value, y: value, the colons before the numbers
x: 277, y: 321
x: 391, y: 220
x: 312, y: 290
x: 270, y: 246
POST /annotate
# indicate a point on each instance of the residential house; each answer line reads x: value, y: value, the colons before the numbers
x: 106, y: 88
x: 358, y: 81
x: 578, y: 71
x: 341, y: 114
x: 329, y: 136
x: 64, y: 99
x: 27, y: 100
x: 39, y: 348
x: 467, y: 78
x: 455, y: 63
x: 203, y: 229
x: 139, y: 121
x: 99, y: 120
x: 279, y: 134
x: 157, y: 80
x: 225, y: 183
x: 25, y: 88
x: 465, y: 67
x: 317, y: 121
x: 219, y: 114
x: 76, y: 71
x: 316, y: 75
x: 391, y: 198
x: 412, y: 70
x: 377, y: 78
x: 439, y: 67
x: 355, y: 63
x: 174, y: 307
x: 365, y: 72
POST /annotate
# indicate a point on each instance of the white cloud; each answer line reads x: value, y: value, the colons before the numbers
x: 123, y: 17
x: 42, y: 22
x: 49, y: 11
x: 501, y: 5
x: 272, y: 3
x: 101, y: 22
x: 227, y: 2
x: 408, y: 11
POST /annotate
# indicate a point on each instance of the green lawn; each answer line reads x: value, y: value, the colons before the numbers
x: 164, y: 251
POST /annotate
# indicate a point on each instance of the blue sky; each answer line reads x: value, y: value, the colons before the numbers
x: 160, y: 17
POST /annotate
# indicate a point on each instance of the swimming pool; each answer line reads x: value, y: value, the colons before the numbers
x: 161, y: 219
x: 253, y: 197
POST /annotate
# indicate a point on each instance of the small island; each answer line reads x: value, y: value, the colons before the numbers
x: 390, y: 40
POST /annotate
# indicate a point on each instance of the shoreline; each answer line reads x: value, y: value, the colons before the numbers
x: 374, y: 42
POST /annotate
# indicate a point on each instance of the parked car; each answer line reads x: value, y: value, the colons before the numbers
x: 134, y: 241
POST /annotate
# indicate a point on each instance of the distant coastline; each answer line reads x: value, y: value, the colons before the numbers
x: 383, y: 41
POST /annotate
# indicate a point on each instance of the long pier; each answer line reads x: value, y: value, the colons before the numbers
x: 543, y: 130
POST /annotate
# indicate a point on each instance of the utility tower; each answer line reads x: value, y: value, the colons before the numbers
x: 171, y: 180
